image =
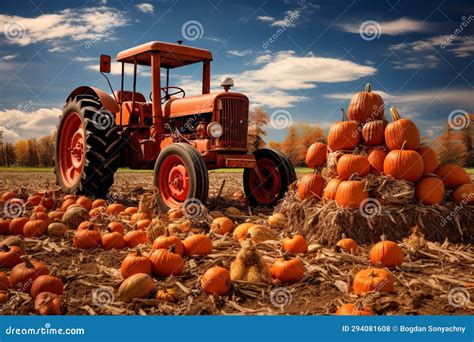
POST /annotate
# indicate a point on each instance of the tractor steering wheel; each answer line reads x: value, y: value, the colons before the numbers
x: 167, y: 95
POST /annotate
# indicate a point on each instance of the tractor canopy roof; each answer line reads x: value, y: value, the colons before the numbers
x: 171, y: 55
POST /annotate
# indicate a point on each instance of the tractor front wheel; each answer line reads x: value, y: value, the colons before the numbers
x: 269, y: 181
x: 180, y: 177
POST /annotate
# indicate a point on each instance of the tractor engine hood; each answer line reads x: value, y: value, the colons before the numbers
x: 206, y: 103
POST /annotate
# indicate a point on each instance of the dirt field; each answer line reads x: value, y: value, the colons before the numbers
x: 437, y: 279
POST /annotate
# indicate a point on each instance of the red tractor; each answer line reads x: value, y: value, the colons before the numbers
x: 180, y: 137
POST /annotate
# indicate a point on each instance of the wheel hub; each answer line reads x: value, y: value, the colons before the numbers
x: 71, y: 149
x: 173, y: 178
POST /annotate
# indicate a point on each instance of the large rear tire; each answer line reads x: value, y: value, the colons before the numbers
x: 181, y: 177
x: 277, y: 173
x: 87, y: 147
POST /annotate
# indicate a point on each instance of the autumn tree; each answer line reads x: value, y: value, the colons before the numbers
x: 21, y: 152
x: 46, y: 151
x: 258, y: 119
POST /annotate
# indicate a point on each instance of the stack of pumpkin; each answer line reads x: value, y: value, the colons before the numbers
x: 363, y: 144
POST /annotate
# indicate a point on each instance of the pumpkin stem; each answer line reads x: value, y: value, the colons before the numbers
x: 404, y: 145
x: 90, y: 226
x: 167, y: 230
x: 368, y: 87
x: 172, y: 248
x: 383, y: 238
x: 343, y: 236
x: 344, y: 116
x: 395, y: 114
x: 5, y: 248
x: 139, y: 253
x: 28, y: 262
x: 286, y: 256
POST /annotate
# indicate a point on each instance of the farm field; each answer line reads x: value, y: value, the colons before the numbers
x: 426, y: 283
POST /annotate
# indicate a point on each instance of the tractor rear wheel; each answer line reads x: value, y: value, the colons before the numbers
x: 87, y: 147
x: 270, y: 183
x: 181, y: 178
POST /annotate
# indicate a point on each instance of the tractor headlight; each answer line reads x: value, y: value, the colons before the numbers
x: 215, y: 130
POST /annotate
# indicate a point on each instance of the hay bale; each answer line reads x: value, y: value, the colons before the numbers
x: 325, y: 223
x: 389, y: 190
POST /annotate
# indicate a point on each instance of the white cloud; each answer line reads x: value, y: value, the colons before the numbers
x: 393, y: 27
x: 116, y: 69
x: 85, y: 59
x: 421, y: 62
x: 239, y: 53
x: 92, y: 23
x: 145, y: 8
x: 18, y: 124
x: 266, y: 18
x: 60, y: 49
x: 9, y: 57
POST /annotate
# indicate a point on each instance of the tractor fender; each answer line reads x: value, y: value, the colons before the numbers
x: 107, y: 101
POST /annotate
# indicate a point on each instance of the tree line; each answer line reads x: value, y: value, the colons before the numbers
x: 453, y: 145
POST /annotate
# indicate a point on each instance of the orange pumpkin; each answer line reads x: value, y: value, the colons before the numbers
x: 350, y: 164
x: 387, y: 253
x: 34, y: 200
x: 216, y: 280
x: 4, y: 226
x: 10, y: 256
x: 24, y: 274
x: 116, y: 226
x: 287, y: 270
x: 429, y: 190
x: 35, y: 228
x: 4, y: 282
x: 401, y: 130
x: 329, y: 193
x: 115, y: 209
x: 353, y: 310
x: 453, y: 175
x: 136, y: 237
x: 240, y: 232
x: 88, y: 225
x: 17, y: 224
x: 404, y: 164
x: 134, y: 263
x: 86, y: 238
x: 296, y: 244
x: 112, y: 240
x: 350, y: 194
x: 348, y: 245
x: 99, y: 203
x: 139, y: 216
x: 67, y: 203
x: 373, y: 133
x: 131, y: 210
x: 430, y: 159
x: 55, y: 215
x: 85, y: 202
x: 8, y: 195
x: 373, y: 280
x: 198, y: 244
x: 464, y: 194
x: 343, y: 135
x: 166, y: 241
x: 47, y: 283
x: 166, y: 262
x: 143, y: 224
x: 316, y: 155
x: 366, y: 106
x: 222, y: 225
x: 376, y: 158
x: 96, y: 213
x: 47, y: 303
x: 310, y: 185
x: 69, y: 196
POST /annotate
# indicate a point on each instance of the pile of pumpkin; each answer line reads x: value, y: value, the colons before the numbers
x: 365, y: 143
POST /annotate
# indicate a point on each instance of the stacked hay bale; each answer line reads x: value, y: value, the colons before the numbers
x: 374, y: 177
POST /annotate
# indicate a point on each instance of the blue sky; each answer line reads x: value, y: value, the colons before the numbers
x: 304, y: 58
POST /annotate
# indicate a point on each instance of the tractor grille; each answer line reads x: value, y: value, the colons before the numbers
x: 234, y: 120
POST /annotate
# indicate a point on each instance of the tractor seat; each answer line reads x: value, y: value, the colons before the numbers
x: 126, y: 95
